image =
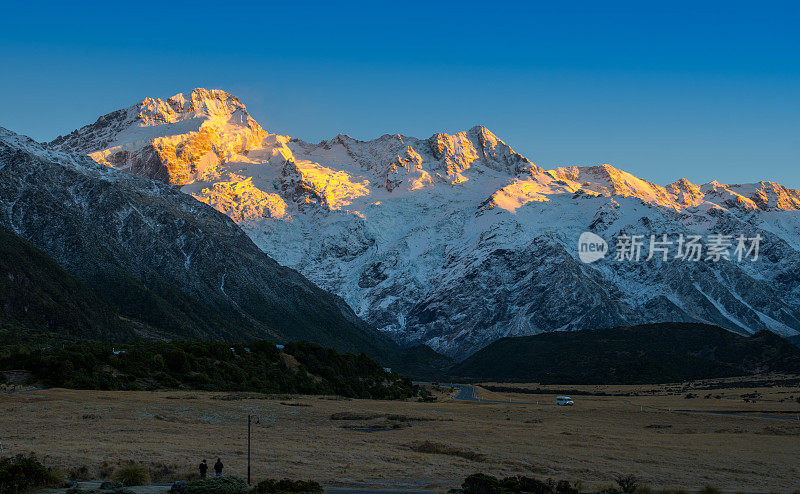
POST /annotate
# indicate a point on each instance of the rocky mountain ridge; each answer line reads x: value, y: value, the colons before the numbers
x: 457, y: 240
x: 174, y: 267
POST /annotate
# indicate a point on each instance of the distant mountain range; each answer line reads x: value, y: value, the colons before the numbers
x: 453, y: 241
x: 88, y: 252
x: 647, y: 354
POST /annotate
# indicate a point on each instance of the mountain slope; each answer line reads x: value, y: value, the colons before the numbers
x: 654, y: 353
x: 157, y: 256
x: 38, y: 299
x: 457, y: 240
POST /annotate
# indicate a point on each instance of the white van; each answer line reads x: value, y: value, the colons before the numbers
x: 564, y: 401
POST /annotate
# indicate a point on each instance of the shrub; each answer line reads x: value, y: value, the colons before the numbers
x: 286, y: 486
x: 627, y: 483
x: 534, y: 486
x: 564, y: 487
x: 479, y: 483
x: 115, y: 490
x: 132, y: 474
x: 214, y: 485
x: 709, y: 490
x: 162, y: 472
x: 21, y: 473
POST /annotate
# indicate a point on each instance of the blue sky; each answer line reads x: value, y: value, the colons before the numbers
x: 663, y: 90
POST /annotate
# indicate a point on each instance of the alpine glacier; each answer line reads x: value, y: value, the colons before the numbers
x: 457, y: 240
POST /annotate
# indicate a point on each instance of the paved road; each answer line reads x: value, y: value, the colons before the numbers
x: 376, y: 491
x: 467, y: 392
x: 163, y: 488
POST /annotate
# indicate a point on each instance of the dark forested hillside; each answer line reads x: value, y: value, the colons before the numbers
x: 257, y: 366
x: 40, y: 301
x: 651, y: 353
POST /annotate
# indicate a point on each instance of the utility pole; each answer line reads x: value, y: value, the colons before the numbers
x: 249, y: 421
x: 248, y: 448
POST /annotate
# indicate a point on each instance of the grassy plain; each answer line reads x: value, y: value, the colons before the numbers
x: 615, y: 429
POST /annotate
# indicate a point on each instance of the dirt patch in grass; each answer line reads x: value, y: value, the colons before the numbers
x: 388, y: 416
x: 379, y: 426
x: 445, y: 449
x: 355, y: 416
x: 774, y: 431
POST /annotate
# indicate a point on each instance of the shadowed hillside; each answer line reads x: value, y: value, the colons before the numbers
x: 39, y: 300
x: 651, y: 353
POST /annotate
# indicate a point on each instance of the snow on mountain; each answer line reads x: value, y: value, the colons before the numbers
x: 457, y: 240
x: 177, y: 141
x: 172, y: 266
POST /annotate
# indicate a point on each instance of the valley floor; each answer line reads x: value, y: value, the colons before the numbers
x: 381, y: 443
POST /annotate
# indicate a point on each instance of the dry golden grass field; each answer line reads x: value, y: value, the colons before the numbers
x: 427, y: 445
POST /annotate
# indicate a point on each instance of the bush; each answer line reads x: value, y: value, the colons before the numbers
x: 480, y: 483
x: 214, y: 485
x: 564, y: 487
x: 22, y: 473
x: 115, y: 490
x: 486, y: 484
x: 286, y: 486
x: 534, y: 486
x: 627, y: 483
x: 132, y: 474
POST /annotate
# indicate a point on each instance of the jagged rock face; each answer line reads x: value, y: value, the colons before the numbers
x: 176, y: 141
x: 457, y: 240
x: 175, y: 265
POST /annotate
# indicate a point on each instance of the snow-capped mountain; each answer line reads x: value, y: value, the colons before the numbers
x: 458, y: 240
x: 171, y: 266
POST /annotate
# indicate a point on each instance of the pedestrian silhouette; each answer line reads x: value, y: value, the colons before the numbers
x: 218, y: 467
x: 203, y: 469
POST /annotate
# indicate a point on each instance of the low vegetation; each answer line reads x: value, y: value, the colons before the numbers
x: 114, y: 490
x: 132, y: 474
x: 304, y: 368
x: 22, y: 473
x: 480, y: 483
x: 214, y: 485
x: 287, y: 486
x: 627, y: 483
